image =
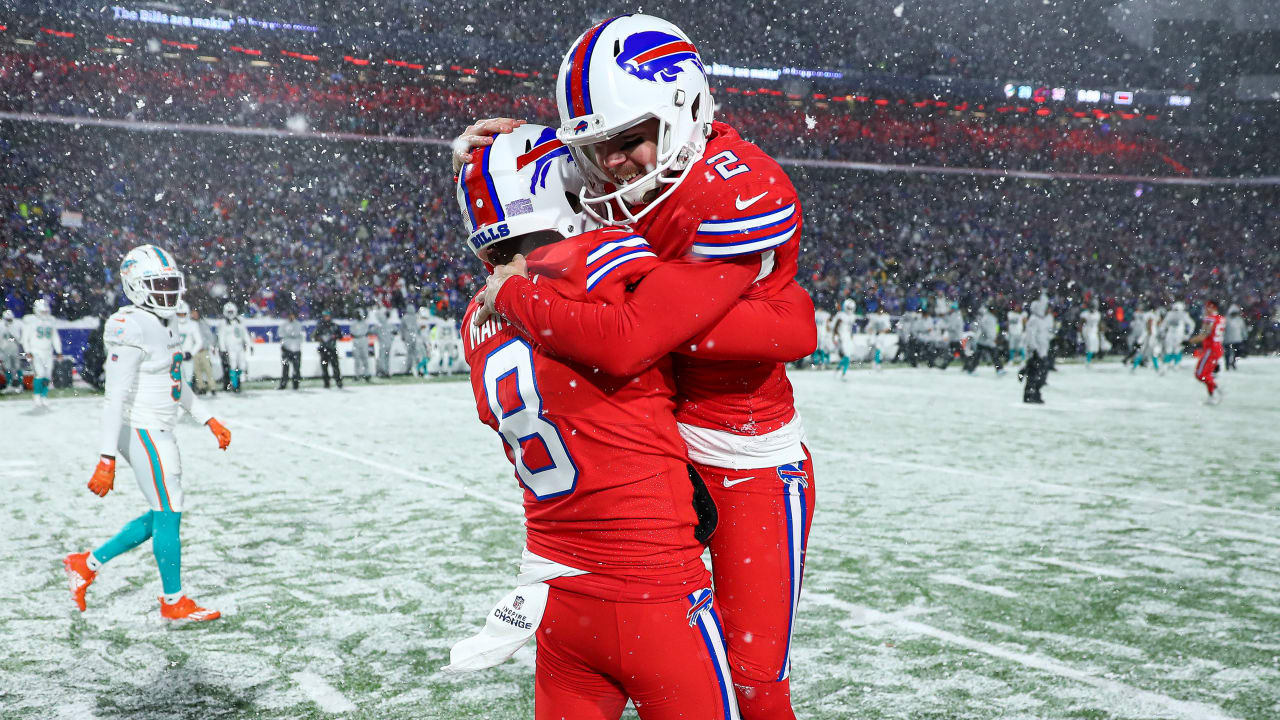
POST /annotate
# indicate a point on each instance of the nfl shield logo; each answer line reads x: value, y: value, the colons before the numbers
x: 518, y: 602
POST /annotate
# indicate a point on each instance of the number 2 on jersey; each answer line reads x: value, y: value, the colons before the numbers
x: 722, y: 161
x: 543, y: 463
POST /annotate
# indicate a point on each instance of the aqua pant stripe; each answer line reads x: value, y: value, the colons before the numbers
x: 157, y: 470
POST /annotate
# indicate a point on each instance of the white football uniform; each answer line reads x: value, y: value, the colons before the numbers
x: 10, y: 336
x: 145, y: 390
x: 1089, y: 330
x: 190, y: 342
x: 233, y: 339
x: 1017, y: 323
x: 1176, y: 328
x: 846, y: 326
x: 40, y: 338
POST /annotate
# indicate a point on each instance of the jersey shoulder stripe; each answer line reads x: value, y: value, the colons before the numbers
x: 742, y: 236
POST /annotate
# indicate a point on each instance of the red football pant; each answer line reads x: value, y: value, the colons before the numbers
x: 1204, y: 371
x: 757, y: 560
x: 594, y: 654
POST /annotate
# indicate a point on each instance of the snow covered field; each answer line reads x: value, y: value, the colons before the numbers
x: 1115, y: 553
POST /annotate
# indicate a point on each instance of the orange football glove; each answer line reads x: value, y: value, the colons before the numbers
x: 104, y: 477
x: 220, y: 432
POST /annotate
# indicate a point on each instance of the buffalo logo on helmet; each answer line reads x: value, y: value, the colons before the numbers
x: 547, y: 148
x: 657, y: 56
x: 582, y: 125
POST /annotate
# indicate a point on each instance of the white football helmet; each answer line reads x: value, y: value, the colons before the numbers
x: 849, y: 305
x: 424, y: 312
x: 182, y: 310
x: 520, y: 184
x: 8, y: 314
x: 229, y: 311
x: 40, y: 307
x: 617, y: 75
x: 1179, y: 306
x: 152, y: 280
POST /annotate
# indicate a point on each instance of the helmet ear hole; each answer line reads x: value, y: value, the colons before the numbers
x: 695, y: 106
x: 617, y: 47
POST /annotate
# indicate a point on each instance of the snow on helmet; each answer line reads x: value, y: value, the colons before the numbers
x: 621, y: 73
x: 520, y: 184
x: 40, y: 307
x: 229, y: 311
x: 8, y: 314
x: 183, y: 309
x: 152, y: 280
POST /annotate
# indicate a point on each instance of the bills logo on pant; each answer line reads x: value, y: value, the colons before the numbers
x: 657, y: 56
x: 541, y: 154
x: 794, y: 473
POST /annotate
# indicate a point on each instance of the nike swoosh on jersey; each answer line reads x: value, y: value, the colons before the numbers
x: 739, y: 203
x: 730, y: 483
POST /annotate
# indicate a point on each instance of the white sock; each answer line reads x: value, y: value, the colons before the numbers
x: 94, y: 563
x: 172, y: 599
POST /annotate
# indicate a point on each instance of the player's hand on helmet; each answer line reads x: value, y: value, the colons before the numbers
x: 493, y: 285
x: 104, y: 476
x: 479, y: 134
x: 221, y: 432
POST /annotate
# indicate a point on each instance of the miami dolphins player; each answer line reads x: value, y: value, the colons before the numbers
x: 145, y: 389
x: 42, y: 344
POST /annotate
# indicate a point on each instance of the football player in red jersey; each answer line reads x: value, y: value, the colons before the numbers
x: 635, y: 110
x: 608, y: 503
x: 1212, y: 328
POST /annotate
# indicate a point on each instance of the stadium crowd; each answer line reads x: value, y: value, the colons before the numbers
x: 383, y: 103
x: 278, y: 225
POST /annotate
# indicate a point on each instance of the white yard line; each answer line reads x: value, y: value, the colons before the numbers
x: 456, y: 487
x: 322, y: 693
x: 1150, y: 703
x: 1248, y: 536
x: 958, y: 581
x: 1104, y: 572
x: 1170, y: 550
x: 1040, y: 483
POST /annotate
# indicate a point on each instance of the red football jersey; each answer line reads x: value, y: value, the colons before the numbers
x: 1217, y: 329
x: 737, y: 201
x: 600, y: 459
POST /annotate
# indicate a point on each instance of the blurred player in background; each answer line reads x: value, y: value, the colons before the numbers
x: 1233, y: 337
x: 1149, y: 344
x: 611, y: 580
x: 845, y: 326
x: 233, y: 340
x: 291, y: 337
x: 145, y: 390
x: 1017, y: 322
x: 1175, y: 328
x: 360, y: 343
x: 43, y: 345
x: 1038, y: 333
x: 10, y: 357
x: 1212, y: 329
x: 987, y: 333
x: 1091, y: 332
x: 326, y: 335
x: 409, y: 333
x: 190, y: 341
x: 880, y: 332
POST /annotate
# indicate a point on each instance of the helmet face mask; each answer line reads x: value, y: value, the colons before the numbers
x: 623, y: 72
x: 229, y: 311
x: 152, y: 280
